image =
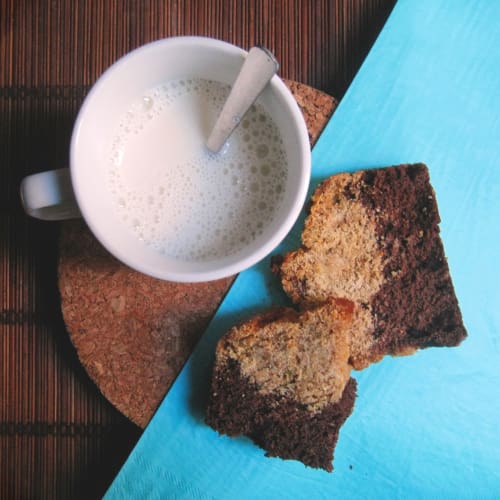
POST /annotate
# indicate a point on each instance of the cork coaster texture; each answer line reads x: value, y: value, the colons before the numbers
x: 133, y: 333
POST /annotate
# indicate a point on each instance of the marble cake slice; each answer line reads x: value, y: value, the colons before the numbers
x: 283, y: 379
x: 373, y: 237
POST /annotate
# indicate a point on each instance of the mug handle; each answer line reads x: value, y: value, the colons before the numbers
x: 49, y: 195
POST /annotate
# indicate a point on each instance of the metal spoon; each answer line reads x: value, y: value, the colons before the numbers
x: 259, y: 67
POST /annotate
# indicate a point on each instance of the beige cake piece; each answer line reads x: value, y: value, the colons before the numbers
x: 301, y: 355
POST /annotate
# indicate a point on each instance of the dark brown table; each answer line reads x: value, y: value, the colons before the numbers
x: 59, y: 437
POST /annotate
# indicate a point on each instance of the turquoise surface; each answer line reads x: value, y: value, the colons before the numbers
x: 424, y: 426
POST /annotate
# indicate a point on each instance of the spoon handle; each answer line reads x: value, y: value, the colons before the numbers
x: 259, y: 67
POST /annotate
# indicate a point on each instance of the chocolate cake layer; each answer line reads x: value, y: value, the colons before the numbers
x: 416, y: 306
x: 280, y: 425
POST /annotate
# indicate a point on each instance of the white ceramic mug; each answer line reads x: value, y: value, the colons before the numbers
x: 83, y: 189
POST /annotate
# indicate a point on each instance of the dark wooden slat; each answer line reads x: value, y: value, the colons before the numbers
x: 320, y: 43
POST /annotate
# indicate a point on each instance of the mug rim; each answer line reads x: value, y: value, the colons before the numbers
x: 286, y: 221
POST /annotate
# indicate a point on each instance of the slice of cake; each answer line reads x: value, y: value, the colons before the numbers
x: 283, y: 379
x: 373, y: 237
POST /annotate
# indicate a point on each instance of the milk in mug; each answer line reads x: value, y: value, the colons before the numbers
x: 176, y: 196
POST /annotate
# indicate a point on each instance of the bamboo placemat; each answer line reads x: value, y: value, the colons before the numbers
x: 59, y: 438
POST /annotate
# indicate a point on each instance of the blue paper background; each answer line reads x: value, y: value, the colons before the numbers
x: 423, y: 426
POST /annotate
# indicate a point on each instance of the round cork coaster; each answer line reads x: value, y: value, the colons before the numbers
x: 132, y: 332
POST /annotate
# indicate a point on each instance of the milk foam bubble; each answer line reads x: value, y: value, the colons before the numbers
x: 175, y: 195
